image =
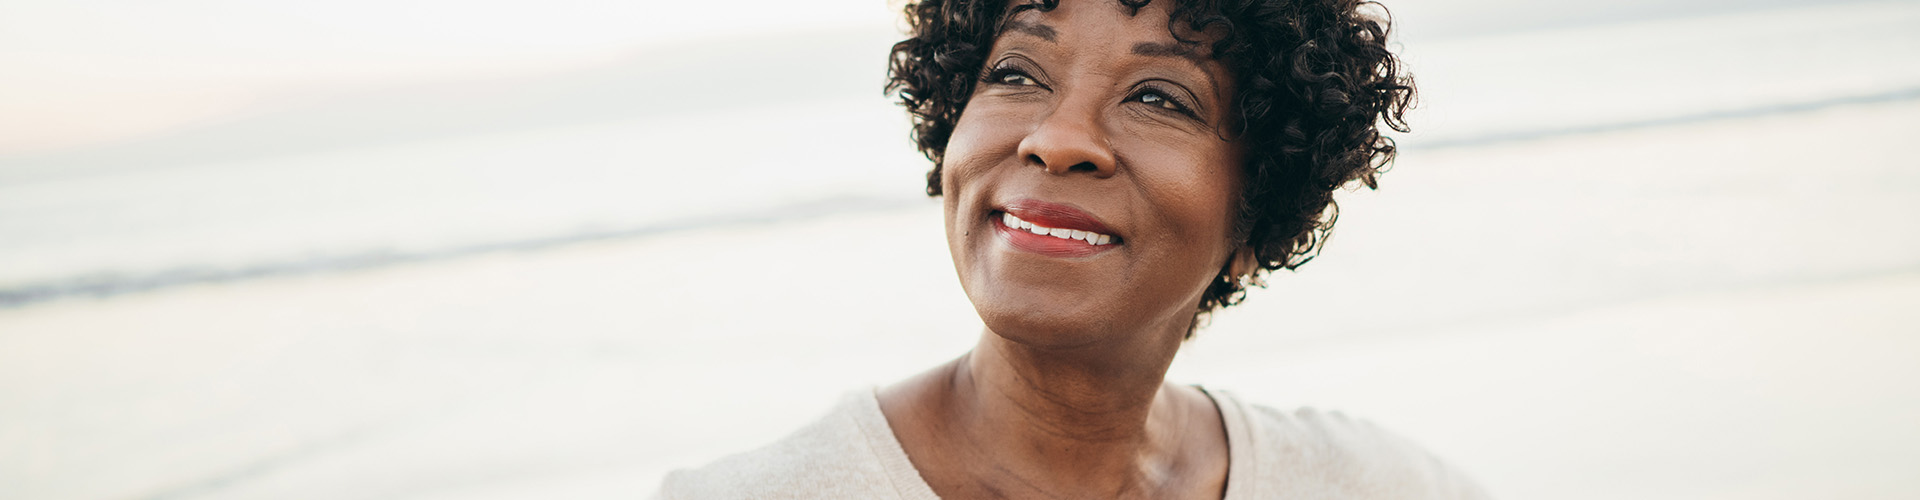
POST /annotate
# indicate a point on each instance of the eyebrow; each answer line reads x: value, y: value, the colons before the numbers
x: 1040, y: 30
x: 1180, y: 50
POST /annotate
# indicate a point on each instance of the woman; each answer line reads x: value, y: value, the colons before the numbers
x: 1113, y: 170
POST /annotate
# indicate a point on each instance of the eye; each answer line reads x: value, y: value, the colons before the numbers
x: 1158, y: 99
x: 1010, y: 76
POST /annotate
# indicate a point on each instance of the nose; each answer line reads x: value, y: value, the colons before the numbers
x: 1070, y: 139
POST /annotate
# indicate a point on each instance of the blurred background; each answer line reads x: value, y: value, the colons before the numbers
x: 427, y: 249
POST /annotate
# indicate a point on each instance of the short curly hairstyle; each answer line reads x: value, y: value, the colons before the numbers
x: 1313, y: 79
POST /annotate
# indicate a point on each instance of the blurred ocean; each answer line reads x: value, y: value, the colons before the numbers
x: 748, y: 128
x: 1633, y: 249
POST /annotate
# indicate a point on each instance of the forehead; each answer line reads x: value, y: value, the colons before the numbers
x: 1109, y: 25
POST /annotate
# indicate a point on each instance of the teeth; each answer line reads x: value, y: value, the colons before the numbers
x: 1092, y: 238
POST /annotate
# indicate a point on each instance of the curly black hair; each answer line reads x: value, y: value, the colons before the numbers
x: 1313, y: 79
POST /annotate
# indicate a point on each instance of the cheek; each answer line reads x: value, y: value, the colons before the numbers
x: 982, y: 137
x: 980, y: 142
x: 1204, y: 204
x: 1197, y: 192
x: 984, y: 140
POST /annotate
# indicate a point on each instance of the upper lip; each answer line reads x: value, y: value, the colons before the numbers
x: 1056, y: 215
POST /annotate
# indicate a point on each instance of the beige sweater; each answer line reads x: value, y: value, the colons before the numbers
x: 1304, y: 454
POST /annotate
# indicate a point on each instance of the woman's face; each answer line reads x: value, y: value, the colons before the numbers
x: 1103, y: 131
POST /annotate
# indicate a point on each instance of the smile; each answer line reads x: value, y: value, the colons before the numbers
x: 1053, y: 229
x: 1092, y: 238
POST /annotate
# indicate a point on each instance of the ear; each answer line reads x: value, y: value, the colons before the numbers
x: 1243, y: 263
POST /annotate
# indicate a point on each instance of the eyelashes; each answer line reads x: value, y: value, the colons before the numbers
x: 1008, y: 75
x: 1163, y: 99
x: 1161, y: 95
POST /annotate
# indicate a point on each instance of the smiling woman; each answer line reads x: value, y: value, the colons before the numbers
x: 1112, y: 171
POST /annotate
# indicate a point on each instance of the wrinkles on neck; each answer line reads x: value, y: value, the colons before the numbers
x: 1094, y: 418
x: 1081, y: 395
x: 1012, y: 419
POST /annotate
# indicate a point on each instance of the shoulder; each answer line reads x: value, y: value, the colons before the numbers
x: 1309, y: 453
x: 829, y: 458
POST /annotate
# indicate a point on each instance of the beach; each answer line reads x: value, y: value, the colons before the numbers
x: 1660, y: 265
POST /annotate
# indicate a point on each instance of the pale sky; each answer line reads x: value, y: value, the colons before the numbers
x: 75, y: 72
x: 81, y: 72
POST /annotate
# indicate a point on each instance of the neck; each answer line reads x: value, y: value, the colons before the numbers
x: 1086, y: 395
x: 1096, y: 417
x: 1016, y: 420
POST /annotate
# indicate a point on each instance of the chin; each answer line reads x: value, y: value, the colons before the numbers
x: 1039, y: 332
x: 1020, y: 321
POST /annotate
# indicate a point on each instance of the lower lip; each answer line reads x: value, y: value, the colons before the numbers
x: 1044, y: 244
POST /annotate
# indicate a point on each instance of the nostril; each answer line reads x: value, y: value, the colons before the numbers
x: 1085, y: 166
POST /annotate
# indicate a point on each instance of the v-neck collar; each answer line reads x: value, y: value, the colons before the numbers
x: 908, y: 483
